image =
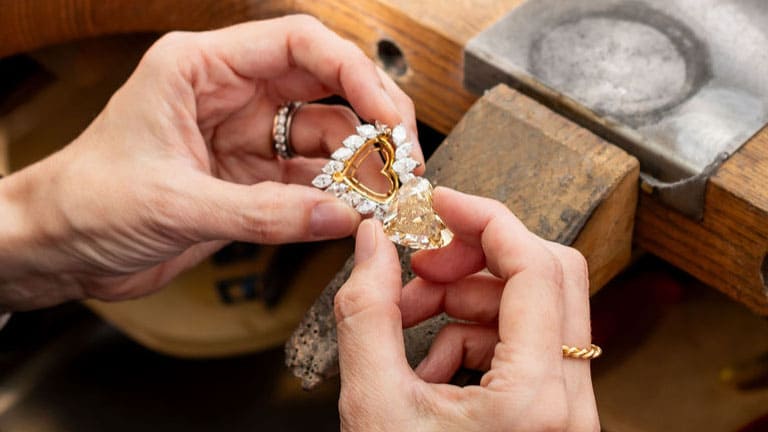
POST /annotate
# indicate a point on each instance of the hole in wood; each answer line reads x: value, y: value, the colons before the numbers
x: 764, y: 273
x: 391, y: 58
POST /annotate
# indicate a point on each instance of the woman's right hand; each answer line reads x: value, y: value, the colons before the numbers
x: 514, y: 320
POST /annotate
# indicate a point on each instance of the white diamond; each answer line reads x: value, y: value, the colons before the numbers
x: 404, y: 166
x: 399, y: 134
x: 406, y: 177
x: 366, y: 207
x: 367, y: 131
x: 353, y: 142
x: 337, y: 189
x: 380, y: 213
x: 352, y: 198
x: 403, y: 151
x: 332, y: 167
x: 322, y: 181
x: 342, y: 154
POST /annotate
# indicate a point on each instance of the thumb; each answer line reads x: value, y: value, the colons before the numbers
x: 267, y: 212
x: 369, y: 325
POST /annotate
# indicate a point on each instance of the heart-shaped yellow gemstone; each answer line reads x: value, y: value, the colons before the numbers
x: 411, y: 221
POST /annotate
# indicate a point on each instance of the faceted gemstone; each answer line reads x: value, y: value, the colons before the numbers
x: 332, y: 167
x: 404, y: 166
x: 380, y: 213
x: 322, y: 181
x: 366, y: 207
x: 352, y: 198
x: 405, y: 177
x: 353, y: 142
x: 342, y: 154
x: 412, y: 222
x: 398, y: 134
x: 403, y: 150
x: 337, y: 189
x: 367, y: 130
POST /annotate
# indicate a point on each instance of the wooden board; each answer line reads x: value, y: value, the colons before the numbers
x: 552, y: 173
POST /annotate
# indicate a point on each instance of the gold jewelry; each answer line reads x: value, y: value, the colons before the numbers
x: 405, y: 209
x: 281, y: 128
x: 590, y: 353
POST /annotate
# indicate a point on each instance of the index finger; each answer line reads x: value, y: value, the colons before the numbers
x: 530, y: 311
x: 272, y: 48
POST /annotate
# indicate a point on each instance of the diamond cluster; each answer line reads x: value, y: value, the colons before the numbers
x: 331, y: 178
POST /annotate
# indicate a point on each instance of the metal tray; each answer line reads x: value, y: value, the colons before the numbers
x: 681, y: 84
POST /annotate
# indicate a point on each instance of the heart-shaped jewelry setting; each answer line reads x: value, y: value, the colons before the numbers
x: 405, y: 208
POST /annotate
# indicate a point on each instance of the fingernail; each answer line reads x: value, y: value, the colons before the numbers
x: 331, y: 219
x: 365, y: 246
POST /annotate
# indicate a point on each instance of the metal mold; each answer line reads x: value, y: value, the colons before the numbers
x: 680, y: 84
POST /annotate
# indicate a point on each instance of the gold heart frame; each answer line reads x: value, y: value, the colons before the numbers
x: 406, y: 208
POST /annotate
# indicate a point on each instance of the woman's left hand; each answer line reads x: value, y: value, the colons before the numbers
x: 181, y: 161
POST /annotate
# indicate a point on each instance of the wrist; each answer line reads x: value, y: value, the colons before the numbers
x: 16, y: 231
x: 24, y: 242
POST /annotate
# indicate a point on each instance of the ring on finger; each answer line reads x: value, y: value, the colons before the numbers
x: 281, y: 129
x: 590, y: 353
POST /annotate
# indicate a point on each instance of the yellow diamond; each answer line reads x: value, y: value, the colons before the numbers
x: 411, y: 221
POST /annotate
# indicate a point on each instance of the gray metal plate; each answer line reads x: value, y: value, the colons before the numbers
x: 680, y: 84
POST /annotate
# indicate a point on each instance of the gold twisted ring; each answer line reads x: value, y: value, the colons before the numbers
x: 590, y: 353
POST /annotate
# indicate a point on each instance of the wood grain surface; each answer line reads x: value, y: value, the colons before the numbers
x: 550, y: 172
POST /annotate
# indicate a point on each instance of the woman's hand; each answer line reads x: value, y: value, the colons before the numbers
x: 514, y: 319
x: 181, y: 161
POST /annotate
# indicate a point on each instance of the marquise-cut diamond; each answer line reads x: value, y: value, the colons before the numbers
x: 352, y: 198
x: 367, y: 130
x: 353, y: 142
x: 342, y: 154
x: 412, y: 222
x: 403, y: 150
x: 404, y: 166
x: 337, y: 189
x: 398, y: 134
x: 366, y: 207
x: 332, y: 167
x: 405, y: 177
x: 322, y: 181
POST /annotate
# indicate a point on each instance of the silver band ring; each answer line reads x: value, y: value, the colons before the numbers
x: 281, y: 129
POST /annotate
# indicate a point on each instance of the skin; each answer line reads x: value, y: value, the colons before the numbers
x: 180, y: 162
x: 532, y: 299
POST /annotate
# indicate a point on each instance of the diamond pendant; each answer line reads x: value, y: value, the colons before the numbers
x: 405, y: 208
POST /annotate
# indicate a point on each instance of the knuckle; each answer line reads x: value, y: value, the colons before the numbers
x: 549, y: 267
x: 574, y: 264
x: 170, y: 43
x: 305, y: 21
x: 347, y: 303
